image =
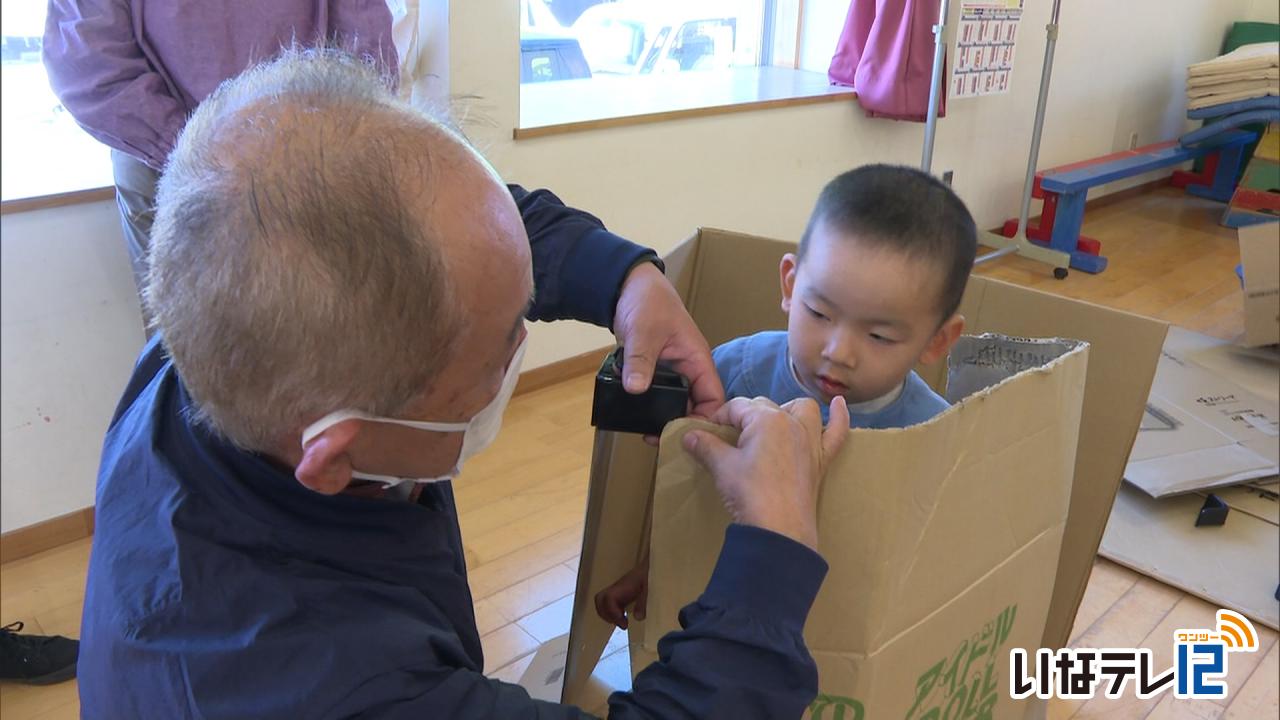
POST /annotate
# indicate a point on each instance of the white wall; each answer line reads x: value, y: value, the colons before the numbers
x: 1263, y: 11
x: 70, y: 331
x: 70, y: 328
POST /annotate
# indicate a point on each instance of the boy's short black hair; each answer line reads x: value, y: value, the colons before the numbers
x: 907, y: 210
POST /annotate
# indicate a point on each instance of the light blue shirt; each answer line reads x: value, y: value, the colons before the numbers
x: 759, y: 366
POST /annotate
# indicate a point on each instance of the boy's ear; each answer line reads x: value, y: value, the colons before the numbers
x: 787, y: 276
x: 942, y: 340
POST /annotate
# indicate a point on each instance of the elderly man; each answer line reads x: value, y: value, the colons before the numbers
x: 340, y: 286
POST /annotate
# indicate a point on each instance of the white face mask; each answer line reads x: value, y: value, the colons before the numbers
x: 479, y: 432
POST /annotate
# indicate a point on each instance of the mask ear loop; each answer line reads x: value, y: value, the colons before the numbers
x: 316, y: 428
x: 333, y: 418
x: 388, y: 481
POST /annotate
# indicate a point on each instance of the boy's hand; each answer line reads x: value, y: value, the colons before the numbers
x: 770, y: 480
x: 612, y: 602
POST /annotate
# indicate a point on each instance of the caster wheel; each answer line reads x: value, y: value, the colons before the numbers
x: 1060, y: 273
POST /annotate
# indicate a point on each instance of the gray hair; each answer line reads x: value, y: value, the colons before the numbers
x: 291, y: 273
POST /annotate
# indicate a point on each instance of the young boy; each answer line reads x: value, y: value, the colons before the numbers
x: 872, y: 290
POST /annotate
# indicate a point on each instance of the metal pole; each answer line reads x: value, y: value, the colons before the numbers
x: 935, y: 88
x: 1019, y: 243
x: 1051, y: 31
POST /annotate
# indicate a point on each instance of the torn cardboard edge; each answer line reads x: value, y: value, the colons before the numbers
x: 725, y: 280
x: 978, y: 365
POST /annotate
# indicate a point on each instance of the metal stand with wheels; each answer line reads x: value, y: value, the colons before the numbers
x: 1018, y: 244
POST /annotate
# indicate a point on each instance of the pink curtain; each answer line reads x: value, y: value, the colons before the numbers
x: 885, y: 53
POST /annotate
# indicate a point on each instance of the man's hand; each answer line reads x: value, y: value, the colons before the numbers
x: 651, y: 323
x: 770, y: 480
x: 613, y: 601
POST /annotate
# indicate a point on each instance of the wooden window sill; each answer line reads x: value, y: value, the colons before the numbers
x: 613, y: 101
x: 40, y: 202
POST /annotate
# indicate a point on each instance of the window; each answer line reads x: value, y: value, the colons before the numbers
x: 588, y: 60
x: 42, y: 150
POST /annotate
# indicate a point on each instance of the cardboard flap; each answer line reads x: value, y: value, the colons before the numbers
x: 613, y: 537
x: 680, y: 264
x: 736, y: 286
x: 1122, y: 363
x: 924, y: 528
x: 931, y: 509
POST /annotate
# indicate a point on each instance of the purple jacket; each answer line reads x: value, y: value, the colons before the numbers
x: 132, y: 71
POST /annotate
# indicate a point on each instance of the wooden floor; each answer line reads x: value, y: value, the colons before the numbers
x: 1168, y: 259
x: 521, y: 504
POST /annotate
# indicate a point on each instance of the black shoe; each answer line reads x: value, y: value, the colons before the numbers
x: 36, y: 659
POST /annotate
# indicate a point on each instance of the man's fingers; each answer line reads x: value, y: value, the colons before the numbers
x: 837, y: 430
x: 739, y: 411
x: 806, y: 411
x: 725, y: 414
x: 640, y: 355
x: 706, y: 393
x: 706, y: 448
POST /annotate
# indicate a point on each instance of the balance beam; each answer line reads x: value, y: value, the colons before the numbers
x: 1065, y: 188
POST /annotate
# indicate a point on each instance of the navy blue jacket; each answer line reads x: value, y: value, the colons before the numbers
x: 219, y: 587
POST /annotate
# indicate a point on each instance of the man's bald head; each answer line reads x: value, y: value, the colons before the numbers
x: 296, y: 266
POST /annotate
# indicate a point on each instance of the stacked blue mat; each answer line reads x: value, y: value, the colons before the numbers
x: 1231, y: 115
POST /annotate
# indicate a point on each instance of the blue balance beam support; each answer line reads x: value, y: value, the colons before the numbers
x: 1066, y: 231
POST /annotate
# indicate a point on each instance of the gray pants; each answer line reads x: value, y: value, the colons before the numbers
x: 136, y: 198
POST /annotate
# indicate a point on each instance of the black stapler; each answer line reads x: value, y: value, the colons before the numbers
x: 613, y: 408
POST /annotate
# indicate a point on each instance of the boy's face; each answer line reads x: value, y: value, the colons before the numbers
x: 860, y: 317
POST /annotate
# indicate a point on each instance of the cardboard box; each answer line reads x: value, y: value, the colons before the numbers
x: 728, y: 281
x: 1201, y: 430
x: 1260, y: 256
x: 1236, y: 565
x: 943, y: 538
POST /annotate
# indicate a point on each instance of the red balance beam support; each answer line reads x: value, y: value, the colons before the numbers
x: 1182, y: 178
